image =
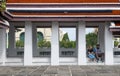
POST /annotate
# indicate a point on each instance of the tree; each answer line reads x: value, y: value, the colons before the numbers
x: 66, y: 38
x: 66, y: 43
x: 44, y: 43
x: 116, y: 43
x: 19, y: 43
x: 91, y: 39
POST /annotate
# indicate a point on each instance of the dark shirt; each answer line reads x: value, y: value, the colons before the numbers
x: 97, y: 50
x: 90, y: 50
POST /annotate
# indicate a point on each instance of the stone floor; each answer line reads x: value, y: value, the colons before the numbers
x: 61, y: 71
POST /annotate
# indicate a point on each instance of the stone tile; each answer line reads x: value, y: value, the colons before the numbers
x: 80, y: 71
x: 6, y: 71
x: 19, y: 75
x: 48, y: 75
x: 102, y: 74
x: 63, y: 75
x: 95, y: 67
x: 75, y: 68
x: 78, y: 74
x: 64, y: 71
x: 43, y: 67
x: 52, y: 70
x: 87, y: 68
x: 39, y: 71
x: 16, y: 70
x: 63, y: 67
x: 5, y: 75
x: 33, y: 75
x: 103, y: 71
x: 61, y: 71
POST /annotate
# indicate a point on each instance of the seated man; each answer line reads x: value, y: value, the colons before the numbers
x: 98, y: 53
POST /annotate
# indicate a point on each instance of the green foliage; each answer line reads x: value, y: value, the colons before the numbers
x: 3, y: 5
x: 91, y: 39
x: 67, y: 44
x: 19, y: 43
x: 116, y: 43
x: 65, y: 37
x: 73, y: 44
x: 44, y: 43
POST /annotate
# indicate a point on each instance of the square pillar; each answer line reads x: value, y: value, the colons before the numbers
x: 28, y: 48
x: 34, y: 36
x: 11, y: 47
x: 55, y: 44
x: 101, y: 35
x: 81, y: 43
x: 108, y: 45
x: 3, y: 45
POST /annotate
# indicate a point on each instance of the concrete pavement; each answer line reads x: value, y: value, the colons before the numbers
x: 90, y: 70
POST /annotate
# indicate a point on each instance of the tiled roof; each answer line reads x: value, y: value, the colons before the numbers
x: 3, y: 23
x: 60, y: 1
x: 63, y: 12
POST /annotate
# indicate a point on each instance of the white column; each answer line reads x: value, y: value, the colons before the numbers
x: 7, y: 39
x: 55, y: 44
x: 28, y: 44
x: 113, y: 42
x: 3, y: 45
x: 108, y: 45
x: 81, y: 43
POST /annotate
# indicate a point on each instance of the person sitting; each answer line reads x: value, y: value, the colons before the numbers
x: 91, y: 54
x: 118, y: 46
x: 98, y: 53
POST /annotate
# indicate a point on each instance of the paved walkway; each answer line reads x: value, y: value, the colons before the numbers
x: 61, y: 71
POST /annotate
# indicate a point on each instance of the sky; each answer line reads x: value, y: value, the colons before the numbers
x: 72, y: 32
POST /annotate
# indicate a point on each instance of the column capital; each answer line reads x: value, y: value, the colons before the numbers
x: 81, y: 22
x: 54, y: 21
x: 28, y: 23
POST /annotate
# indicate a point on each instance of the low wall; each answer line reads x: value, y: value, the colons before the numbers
x: 42, y: 52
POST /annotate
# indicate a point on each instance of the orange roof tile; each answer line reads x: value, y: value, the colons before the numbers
x: 60, y: 1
